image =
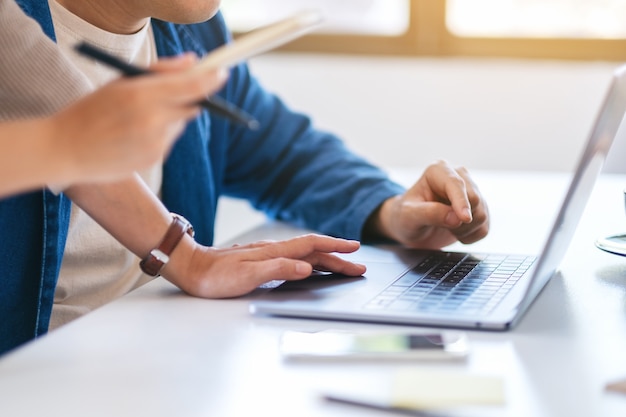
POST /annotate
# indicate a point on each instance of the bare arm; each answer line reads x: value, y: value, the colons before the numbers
x: 127, y: 209
x: 28, y: 160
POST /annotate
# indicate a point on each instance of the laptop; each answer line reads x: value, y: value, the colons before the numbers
x: 453, y: 289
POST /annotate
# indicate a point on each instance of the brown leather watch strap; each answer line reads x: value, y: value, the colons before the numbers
x: 158, y: 257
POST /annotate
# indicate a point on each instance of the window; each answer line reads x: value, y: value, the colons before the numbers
x: 568, y: 29
x: 576, y: 19
x: 362, y: 17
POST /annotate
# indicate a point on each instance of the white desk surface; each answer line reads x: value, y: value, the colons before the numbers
x: 157, y: 352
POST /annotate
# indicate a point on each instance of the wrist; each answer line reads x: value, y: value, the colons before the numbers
x: 378, y: 225
x: 177, y: 270
x: 156, y: 260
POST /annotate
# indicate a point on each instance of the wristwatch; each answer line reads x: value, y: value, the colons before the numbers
x: 159, y: 256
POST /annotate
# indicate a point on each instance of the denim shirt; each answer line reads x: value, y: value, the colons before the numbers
x: 286, y: 169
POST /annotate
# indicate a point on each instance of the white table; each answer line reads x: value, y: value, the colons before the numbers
x: 157, y: 352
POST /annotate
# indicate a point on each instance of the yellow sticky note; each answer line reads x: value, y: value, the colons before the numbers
x: 437, y: 389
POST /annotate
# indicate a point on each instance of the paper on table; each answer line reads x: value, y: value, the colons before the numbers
x: 422, y: 389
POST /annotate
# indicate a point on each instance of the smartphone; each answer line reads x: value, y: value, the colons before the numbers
x: 336, y: 344
x: 260, y: 40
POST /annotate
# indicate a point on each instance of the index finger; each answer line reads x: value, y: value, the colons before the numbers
x: 302, y: 246
x: 448, y: 184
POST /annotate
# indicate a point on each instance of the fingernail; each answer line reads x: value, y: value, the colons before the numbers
x: 468, y: 213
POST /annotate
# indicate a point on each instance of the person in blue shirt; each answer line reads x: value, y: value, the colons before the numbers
x: 288, y: 169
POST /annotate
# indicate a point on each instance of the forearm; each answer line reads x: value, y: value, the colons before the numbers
x: 29, y: 159
x: 127, y: 209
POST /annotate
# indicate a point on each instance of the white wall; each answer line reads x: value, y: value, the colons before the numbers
x: 407, y: 112
x: 501, y: 114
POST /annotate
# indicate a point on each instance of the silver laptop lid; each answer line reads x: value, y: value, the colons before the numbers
x: 603, y: 134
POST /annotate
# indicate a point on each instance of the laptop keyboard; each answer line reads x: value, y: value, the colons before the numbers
x: 447, y: 282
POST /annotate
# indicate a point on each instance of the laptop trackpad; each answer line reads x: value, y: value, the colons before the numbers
x: 318, y: 281
x: 333, y: 287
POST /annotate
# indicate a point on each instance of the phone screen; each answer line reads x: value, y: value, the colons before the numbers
x: 391, y: 342
x: 338, y: 344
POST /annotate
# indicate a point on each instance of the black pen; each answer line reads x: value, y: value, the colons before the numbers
x: 214, y: 104
x: 381, y: 407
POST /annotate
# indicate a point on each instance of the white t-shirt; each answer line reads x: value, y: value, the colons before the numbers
x: 96, y: 268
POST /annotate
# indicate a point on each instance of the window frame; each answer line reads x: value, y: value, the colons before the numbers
x: 428, y: 35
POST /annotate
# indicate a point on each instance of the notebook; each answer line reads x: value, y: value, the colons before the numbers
x: 454, y: 289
